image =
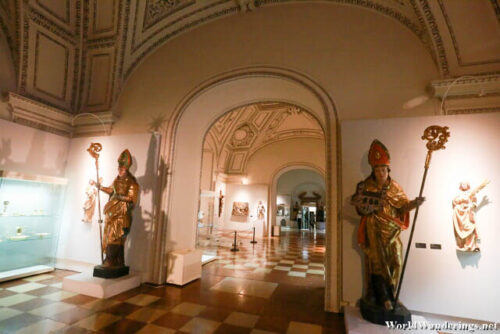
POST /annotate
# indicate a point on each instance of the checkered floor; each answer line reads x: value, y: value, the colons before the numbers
x: 275, y: 286
x: 295, y: 256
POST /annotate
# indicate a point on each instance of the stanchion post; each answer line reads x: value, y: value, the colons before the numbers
x: 235, y: 245
x: 253, y: 238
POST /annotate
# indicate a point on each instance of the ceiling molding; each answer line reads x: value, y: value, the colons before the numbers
x: 46, y: 118
x: 467, y: 85
x: 455, y: 43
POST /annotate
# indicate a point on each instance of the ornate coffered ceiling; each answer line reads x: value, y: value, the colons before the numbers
x: 75, y: 55
x: 238, y: 134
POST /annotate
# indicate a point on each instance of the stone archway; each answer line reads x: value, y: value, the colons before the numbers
x: 182, y: 152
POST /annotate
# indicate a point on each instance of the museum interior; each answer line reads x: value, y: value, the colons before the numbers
x: 249, y: 166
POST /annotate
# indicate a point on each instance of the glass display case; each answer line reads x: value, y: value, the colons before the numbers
x: 206, y: 218
x: 207, y: 225
x: 30, y: 212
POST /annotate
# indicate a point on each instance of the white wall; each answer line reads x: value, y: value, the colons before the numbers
x: 27, y: 150
x: 251, y: 193
x: 79, y: 241
x: 436, y: 281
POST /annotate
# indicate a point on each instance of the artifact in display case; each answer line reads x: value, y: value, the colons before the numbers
x: 29, y: 223
x: 207, y: 223
x: 464, y: 221
x: 384, y: 210
x: 118, y: 212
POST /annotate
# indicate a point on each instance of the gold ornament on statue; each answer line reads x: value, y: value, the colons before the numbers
x: 436, y: 137
x: 94, y: 149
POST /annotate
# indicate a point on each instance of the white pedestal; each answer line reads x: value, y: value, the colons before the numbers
x: 86, y: 284
x: 355, y: 324
x: 184, y: 266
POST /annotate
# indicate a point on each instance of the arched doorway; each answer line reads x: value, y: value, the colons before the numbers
x: 241, y: 150
x: 183, y: 147
x: 300, y: 201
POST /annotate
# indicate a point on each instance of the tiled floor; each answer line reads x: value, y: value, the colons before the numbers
x: 275, y: 286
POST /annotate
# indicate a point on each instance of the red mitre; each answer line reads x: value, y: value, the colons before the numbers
x: 378, y: 154
x: 125, y: 159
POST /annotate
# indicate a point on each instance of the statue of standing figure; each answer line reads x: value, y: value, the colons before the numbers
x: 384, y: 210
x: 118, y: 218
x: 261, y: 211
x: 464, y: 220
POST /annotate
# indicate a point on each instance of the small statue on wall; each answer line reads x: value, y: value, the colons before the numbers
x: 261, y: 211
x: 221, y: 202
x: 464, y: 222
x: 89, y: 205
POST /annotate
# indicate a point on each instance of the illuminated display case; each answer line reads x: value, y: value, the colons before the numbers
x: 206, y: 227
x: 30, y: 212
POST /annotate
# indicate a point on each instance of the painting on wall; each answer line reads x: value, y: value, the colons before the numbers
x: 240, y: 209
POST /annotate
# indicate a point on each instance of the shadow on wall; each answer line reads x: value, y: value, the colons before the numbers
x: 36, y: 157
x: 364, y: 166
x: 142, y: 233
x: 351, y: 216
x: 468, y: 258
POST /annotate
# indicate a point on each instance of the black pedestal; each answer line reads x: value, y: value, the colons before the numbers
x: 379, y: 315
x: 110, y: 272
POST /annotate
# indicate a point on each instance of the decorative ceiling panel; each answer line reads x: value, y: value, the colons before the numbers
x: 8, y: 26
x: 98, y: 88
x: 103, y: 18
x: 237, y: 136
x: 462, y: 36
x: 477, y: 46
x: 60, y: 12
x: 157, y: 10
x: 49, y: 67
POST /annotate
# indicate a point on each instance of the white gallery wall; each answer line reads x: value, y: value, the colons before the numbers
x: 437, y: 281
x: 252, y: 194
x: 79, y: 241
x: 27, y: 150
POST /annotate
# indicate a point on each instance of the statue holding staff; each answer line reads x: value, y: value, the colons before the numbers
x: 384, y: 210
x: 123, y: 195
